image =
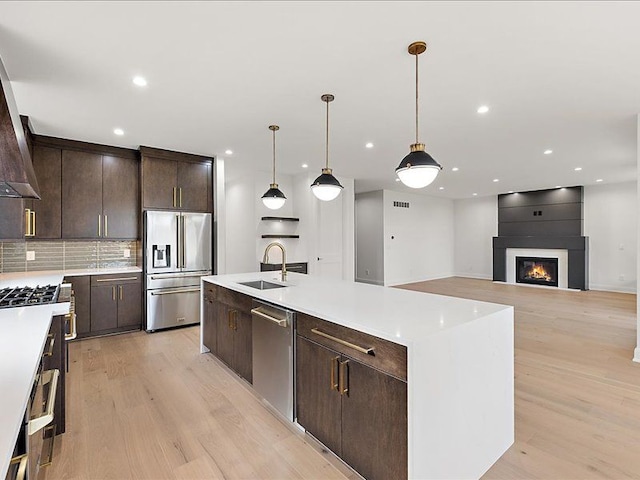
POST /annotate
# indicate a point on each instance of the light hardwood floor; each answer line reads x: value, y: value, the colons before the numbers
x: 151, y: 407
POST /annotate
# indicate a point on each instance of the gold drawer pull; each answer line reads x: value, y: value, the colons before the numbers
x: 344, y: 378
x: 73, y: 331
x: 21, y: 460
x: 333, y: 365
x: 121, y: 279
x: 52, y: 340
x: 368, y: 351
x: 38, y: 423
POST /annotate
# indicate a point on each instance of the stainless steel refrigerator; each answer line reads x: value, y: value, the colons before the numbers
x: 177, y: 253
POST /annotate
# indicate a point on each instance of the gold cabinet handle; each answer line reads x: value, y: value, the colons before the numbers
x: 229, y: 318
x: 106, y: 226
x: 120, y: 288
x: 113, y: 293
x: 333, y: 366
x: 27, y: 223
x: 33, y: 222
x: 368, y: 351
x: 174, y: 197
x: 73, y: 330
x: 21, y: 461
x: 38, y: 423
x: 52, y: 341
x: 344, y: 378
x: 180, y: 197
x: 121, y: 279
x: 99, y: 225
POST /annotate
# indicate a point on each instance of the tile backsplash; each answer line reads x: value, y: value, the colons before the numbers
x: 29, y: 256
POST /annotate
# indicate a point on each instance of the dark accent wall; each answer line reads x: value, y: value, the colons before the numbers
x: 542, y: 213
x: 544, y: 219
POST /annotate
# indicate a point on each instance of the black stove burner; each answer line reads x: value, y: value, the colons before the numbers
x: 25, y: 296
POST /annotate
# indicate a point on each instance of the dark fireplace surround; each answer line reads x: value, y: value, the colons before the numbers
x: 543, y: 219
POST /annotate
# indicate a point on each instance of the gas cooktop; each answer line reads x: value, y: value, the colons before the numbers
x: 26, y: 296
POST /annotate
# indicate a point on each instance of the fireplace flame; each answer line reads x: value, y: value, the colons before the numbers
x: 537, y: 272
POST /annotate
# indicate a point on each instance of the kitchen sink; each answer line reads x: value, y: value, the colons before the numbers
x: 262, y: 285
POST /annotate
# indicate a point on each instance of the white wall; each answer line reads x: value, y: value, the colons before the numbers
x: 610, y: 222
x: 636, y: 357
x: 476, y: 223
x: 419, y: 240
x: 369, y: 237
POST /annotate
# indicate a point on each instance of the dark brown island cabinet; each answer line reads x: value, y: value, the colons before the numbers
x: 106, y: 304
x: 353, y: 402
x: 176, y: 181
x: 227, y: 329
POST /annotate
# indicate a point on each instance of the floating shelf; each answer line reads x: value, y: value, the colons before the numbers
x: 282, y: 219
x: 280, y: 236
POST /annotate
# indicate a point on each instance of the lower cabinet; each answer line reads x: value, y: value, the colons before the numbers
x: 107, y: 303
x: 356, y: 410
x: 227, y: 329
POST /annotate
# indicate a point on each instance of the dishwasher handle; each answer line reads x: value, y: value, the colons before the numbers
x: 281, y: 322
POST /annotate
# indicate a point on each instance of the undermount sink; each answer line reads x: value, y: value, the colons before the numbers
x: 262, y: 285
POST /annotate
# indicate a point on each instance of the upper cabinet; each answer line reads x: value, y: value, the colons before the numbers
x: 44, y: 216
x: 176, y: 181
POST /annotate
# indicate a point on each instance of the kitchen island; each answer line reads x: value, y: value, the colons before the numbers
x: 458, y: 365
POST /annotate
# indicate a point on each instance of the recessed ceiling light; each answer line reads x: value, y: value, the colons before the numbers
x: 599, y: 180
x: 548, y: 152
x: 558, y: 186
x: 140, y: 81
x: 118, y: 131
x: 369, y: 145
x: 455, y: 169
x: 474, y: 194
x: 483, y: 109
x: 228, y: 152
x: 441, y: 188
x: 495, y: 180
x: 577, y: 169
x: 304, y: 165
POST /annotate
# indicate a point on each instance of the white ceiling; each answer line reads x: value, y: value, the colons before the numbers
x: 557, y: 75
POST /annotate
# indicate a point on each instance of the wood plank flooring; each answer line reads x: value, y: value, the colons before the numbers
x: 577, y: 392
x: 146, y: 406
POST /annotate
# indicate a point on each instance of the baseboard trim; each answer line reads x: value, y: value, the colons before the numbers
x: 612, y: 288
x: 479, y: 276
x: 636, y: 354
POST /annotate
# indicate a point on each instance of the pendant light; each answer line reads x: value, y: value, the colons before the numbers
x: 326, y: 187
x: 418, y: 169
x: 274, y: 198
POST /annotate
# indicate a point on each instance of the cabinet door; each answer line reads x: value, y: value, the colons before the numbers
x: 159, y: 181
x: 194, y: 188
x: 81, y: 194
x: 120, y: 197
x: 104, y: 308
x: 47, y: 163
x: 82, y: 294
x: 374, y: 422
x: 11, y: 219
x: 224, y: 333
x: 318, y: 405
x: 209, y: 326
x: 243, y: 346
x: 129, y: 304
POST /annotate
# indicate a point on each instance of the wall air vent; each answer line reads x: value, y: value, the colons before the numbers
x: 401, y: 204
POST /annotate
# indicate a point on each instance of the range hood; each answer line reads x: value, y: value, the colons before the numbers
x: 17, y: 178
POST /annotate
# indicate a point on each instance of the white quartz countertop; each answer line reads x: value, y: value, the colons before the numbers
x: 23, y: 333
x: 397, y: 315
x: 54, y: 277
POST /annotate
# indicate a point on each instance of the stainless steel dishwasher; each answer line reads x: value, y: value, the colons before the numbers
x: 273, y: 375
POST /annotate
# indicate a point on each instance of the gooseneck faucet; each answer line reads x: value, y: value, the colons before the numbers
x: 265, y: 259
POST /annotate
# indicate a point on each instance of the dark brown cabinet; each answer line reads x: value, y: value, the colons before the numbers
x: 227, y: 329
x: 44, y: 217
x: 12, y: 219
x: 177, y: 181
x: 99, y: 196
x: 347, y: 402
x: 81, y: 286
x: 55, y: 358
x: 116, y: 302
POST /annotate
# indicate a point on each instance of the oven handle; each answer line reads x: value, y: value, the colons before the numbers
x: 38, y: 423
x: 169, y: 292
x: 22, y: 467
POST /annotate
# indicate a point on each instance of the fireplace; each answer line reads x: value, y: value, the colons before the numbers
x: 537, y: 271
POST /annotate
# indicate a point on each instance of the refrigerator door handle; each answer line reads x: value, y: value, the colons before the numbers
x: 179, y: 243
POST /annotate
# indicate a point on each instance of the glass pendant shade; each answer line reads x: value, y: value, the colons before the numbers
x: 326, y: 187
x: 418, y: 169
x: 273, y: 198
